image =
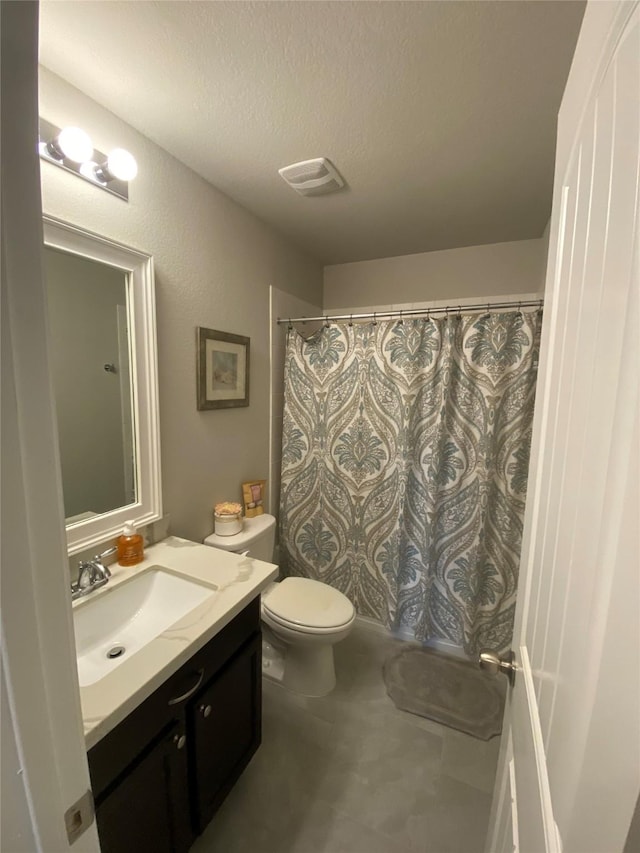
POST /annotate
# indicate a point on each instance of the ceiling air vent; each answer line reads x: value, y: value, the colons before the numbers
x: 313, y: 177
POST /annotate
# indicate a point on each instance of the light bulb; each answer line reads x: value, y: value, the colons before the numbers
x: 75, y: 144
x: 122, y: 165
x: 90, y: 170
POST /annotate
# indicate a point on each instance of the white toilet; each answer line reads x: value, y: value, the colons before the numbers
x: 302, y: 619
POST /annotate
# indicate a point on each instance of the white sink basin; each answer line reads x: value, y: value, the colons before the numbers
x: 128, y: 617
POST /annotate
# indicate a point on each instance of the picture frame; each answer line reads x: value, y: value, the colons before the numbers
x: 222, y: 371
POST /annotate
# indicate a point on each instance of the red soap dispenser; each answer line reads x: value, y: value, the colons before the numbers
x: 130, y: 546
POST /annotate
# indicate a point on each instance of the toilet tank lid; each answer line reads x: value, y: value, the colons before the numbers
x: 252, y: 529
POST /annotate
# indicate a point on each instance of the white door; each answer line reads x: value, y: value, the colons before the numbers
x: 569, y: 774
x: 44, y: 773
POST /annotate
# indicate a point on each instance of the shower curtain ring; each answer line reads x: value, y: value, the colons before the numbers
x: 401, y: 321
x: 375, y: 322
x: 459, y: 312
x: 326, y: 322
x: 351, y: 320
x: 488, y: 310
x: 290, y: 326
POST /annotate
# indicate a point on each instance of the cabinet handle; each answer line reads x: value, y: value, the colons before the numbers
x: 179, y: 740
x: 177, y: 699
x: 205, y: 710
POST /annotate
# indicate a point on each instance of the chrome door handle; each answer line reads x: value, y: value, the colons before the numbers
x: 177, y: 699
x: 493, y: 664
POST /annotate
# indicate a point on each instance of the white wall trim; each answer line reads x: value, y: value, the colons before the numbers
x: 37, y: 632
x: 549, y: 824
x: 443, y: 646
x: 283, y: 304
x: 372, y: 625
x: 141, y: 308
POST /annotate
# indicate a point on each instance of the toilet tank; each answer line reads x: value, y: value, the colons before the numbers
x: 257, y: 536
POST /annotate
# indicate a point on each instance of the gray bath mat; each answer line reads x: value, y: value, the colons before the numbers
x: 450, y: 691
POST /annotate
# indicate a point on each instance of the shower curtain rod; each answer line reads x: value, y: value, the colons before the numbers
x: 416, y: 312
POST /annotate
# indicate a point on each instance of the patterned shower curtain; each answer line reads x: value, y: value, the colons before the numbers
x: 404, y: 469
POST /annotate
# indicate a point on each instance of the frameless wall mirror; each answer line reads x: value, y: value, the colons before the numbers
x: 103, y: 361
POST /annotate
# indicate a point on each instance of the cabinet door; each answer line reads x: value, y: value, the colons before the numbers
x: 148, y: 809
x: 226, y: 722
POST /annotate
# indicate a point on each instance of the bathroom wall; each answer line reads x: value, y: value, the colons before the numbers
x: 497, y: 269
x: 214, y: 263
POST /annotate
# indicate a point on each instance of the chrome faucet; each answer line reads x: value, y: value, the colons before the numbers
x: 92, y: 574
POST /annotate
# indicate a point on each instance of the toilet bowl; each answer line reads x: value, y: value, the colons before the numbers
x: 307, y: 618
x: 302, y: 619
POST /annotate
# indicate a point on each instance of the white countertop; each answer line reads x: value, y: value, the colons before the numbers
x: 235, y: 581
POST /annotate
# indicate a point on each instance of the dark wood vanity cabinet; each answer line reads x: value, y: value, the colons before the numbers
x: 147, y: 809
x: 159, y: 777
x: 225, y: 734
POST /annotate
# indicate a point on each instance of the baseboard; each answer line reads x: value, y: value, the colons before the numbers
x: 372, y: 625
x: 408, y: 636
x: 447, y: 648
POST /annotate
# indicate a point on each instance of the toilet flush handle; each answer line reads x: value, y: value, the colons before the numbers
x: 244, y: 553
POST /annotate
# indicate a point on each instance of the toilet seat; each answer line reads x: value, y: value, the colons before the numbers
x: 296, y: 627
x: 308, y: 606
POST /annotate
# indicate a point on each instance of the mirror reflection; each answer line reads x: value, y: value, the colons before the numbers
x: 91, y: 368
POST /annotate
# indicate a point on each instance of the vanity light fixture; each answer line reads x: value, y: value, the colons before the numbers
x: 71, y: 143
x: 119, y: 164
x: 71, y: 149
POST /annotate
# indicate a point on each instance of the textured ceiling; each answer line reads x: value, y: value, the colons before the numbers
x: 439, y: 115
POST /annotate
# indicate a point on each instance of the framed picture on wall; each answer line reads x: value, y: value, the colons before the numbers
x: 222, y: 373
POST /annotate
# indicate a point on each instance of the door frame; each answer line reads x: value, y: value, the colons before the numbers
x: 40, y: 678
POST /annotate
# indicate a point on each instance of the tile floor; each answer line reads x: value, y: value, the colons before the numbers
x: 349, y: 773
